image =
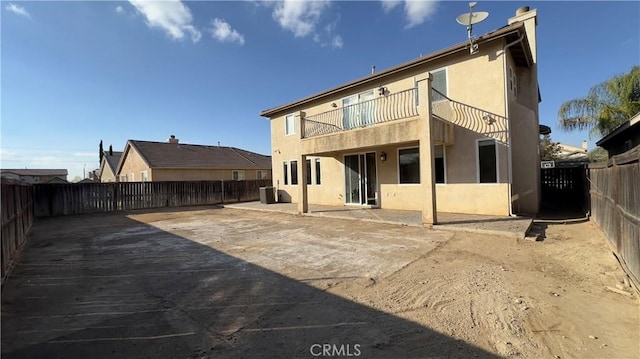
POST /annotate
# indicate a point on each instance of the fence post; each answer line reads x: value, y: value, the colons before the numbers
x: 222, y: 186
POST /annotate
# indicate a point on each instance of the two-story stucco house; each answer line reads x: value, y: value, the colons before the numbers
x: 452, y: 131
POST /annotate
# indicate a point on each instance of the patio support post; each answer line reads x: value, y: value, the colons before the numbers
x: 427, y: 161
x: 303, y: 205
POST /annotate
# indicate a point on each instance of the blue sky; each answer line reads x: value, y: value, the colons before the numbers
x: 74, y: 73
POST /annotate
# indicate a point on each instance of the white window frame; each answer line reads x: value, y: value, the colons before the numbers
x: 316, y: 162
x: 133, y: 177
x: 238, y: 173
x: 123, y: 178
x: 291, y: 173
x: 446, y: 81
x: 513, y: 82
x: 143, y: 176
x: 478, y: 161
x: 287, y: 177
x: 290, y: 130
x: 262, y: 174
x: 444, y: 160
x: 358, y: 101
x: 309, y: 160
x: 398, y: 166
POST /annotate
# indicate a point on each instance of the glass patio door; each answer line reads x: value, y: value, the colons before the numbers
x: 360, y: 181
x: 358, y: 110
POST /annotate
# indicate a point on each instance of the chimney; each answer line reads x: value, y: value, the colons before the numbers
x: 373, y: 69
x: 530, y: 19
x: 585, y: 146
x: 172, y: 139
x: 110, y: 150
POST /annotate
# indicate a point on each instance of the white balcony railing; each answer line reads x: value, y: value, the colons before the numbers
x: 472, y: 118
x: 396, y: 106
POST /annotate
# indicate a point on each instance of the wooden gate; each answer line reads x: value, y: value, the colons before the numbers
x: 564, y: 189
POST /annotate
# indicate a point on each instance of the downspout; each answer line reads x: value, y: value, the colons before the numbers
x: 506, y: 112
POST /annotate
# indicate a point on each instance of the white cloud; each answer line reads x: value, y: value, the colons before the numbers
x: 299, y: 17
x: 416, y: 11
x: 119, y: 9
x: 388, y: 5
x: 171, y: 16
x: 223, y: 32
x: 18, y: 10
x: 337, y: 42
x: 85, y: 154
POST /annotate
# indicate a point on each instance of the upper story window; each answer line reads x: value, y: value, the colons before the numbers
x: 289, y: 125
x: 261, y: 175
x: 439, y: 83
x: 143, y: 176
x: 237, y: 175
x: 513, y: 82
x: 358, y: 110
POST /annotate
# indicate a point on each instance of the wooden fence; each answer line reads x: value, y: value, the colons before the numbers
x: 17, y: 217
x: 70, y: 199
x: 615, y: 206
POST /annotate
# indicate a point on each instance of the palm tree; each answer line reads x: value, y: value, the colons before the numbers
x: 607, y: 105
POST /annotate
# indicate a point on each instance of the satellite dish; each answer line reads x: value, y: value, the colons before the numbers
x: 472, y: 18
x: 469, y: 19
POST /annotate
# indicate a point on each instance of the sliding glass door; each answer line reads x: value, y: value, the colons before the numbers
x: 360, y: 180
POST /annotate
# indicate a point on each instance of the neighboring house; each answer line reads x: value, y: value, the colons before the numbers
x: 34, y: 176
x: 173, y: 161
x: 109, y: 166
x: 623, y: 138
x: 450, y: 130
x: 573, y: 153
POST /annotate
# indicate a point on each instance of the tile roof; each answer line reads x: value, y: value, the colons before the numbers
x: 180, y: 155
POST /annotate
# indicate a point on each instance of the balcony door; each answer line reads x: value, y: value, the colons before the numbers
x: 360, y: 179
x: 358, y: 110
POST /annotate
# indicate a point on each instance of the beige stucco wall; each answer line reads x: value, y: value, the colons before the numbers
x: 106, y: 174
x: 476, y: 80
x: 133, y: 163
x: 490, y: 199
x: 182, y: 174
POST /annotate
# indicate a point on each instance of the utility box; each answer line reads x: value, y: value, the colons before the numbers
x: 267, y: 195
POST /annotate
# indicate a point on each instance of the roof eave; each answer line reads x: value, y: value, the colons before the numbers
x: 499, y: 33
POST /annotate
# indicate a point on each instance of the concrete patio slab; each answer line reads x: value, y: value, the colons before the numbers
x: 514, y: 227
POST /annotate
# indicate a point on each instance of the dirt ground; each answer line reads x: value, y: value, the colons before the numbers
x: 229, y: 283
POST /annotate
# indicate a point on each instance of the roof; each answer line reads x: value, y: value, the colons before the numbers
x: 179, y: 155
x: 521, y: 54
x: 112, y: 160
x: 36, y: 172
x: 632, y: 122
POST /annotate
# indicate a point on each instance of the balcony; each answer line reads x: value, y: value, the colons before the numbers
x: 347, y: 123
x: 392, y: 107
x: 472, y: 118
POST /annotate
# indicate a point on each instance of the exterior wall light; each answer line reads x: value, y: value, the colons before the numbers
x: 383, y: 157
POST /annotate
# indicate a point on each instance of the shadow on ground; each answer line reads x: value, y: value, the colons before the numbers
x: 106, y: 286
